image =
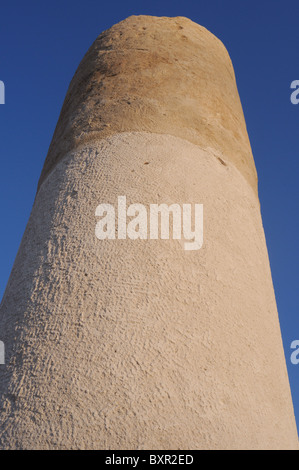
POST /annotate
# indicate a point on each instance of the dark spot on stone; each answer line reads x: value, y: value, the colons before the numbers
x: 222, y: 161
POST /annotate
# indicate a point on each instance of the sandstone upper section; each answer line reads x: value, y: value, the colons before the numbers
x: 161, y: 75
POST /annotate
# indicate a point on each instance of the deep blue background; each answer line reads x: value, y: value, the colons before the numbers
x: 41, y: 45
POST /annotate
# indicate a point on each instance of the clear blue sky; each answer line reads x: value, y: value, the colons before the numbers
x: 41, y: 45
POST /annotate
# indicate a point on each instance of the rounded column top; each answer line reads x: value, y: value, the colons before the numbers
x: 161, y: 75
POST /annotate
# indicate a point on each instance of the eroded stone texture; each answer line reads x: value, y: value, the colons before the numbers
x: 138, y: 344
x: 162, y: 75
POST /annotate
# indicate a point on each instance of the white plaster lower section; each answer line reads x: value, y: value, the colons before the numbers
x: 139, y: 344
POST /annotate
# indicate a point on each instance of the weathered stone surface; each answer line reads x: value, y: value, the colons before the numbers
x: 138, y: 344
x: 162, y: 75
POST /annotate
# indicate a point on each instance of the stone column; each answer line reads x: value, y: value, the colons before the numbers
x: 141, y: 344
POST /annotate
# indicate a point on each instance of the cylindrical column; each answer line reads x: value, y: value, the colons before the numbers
x: 127, y: 343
